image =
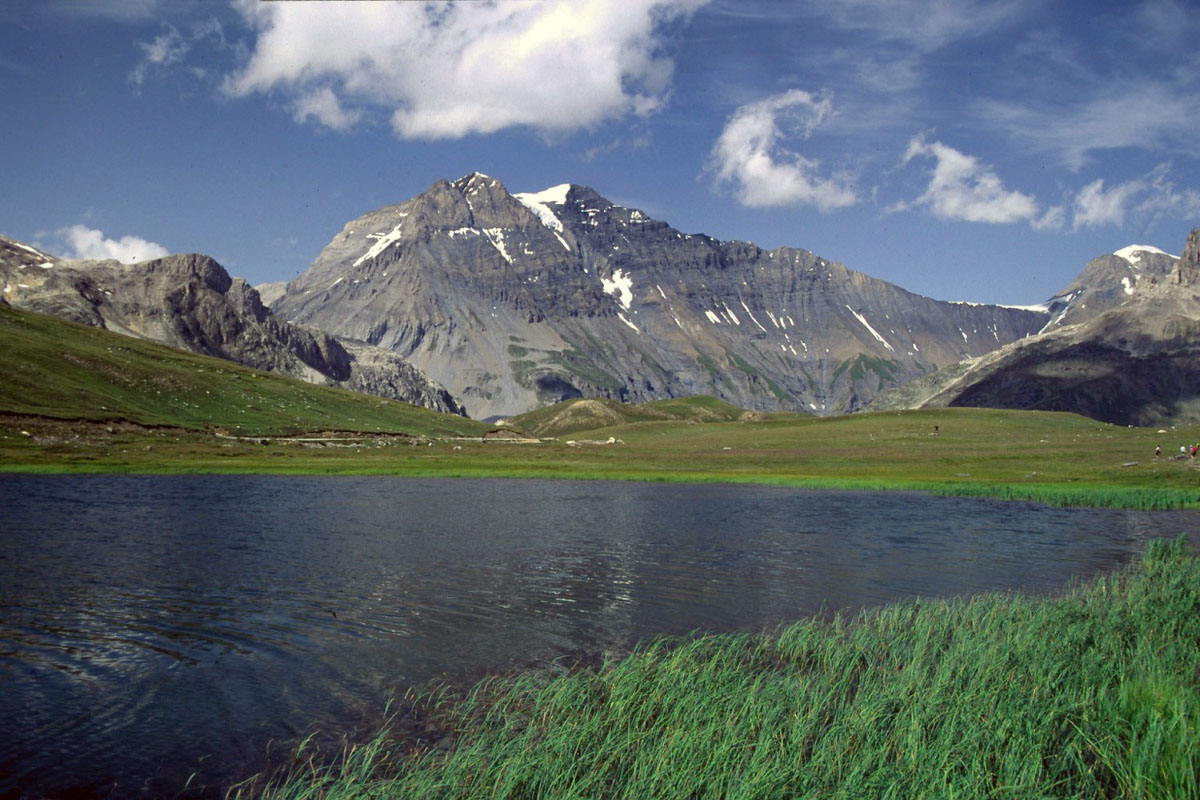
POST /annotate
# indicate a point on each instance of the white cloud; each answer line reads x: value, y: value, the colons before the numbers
x: 1053, y: 220
x: 1142, y: 115
x: 1143, y: 201
x: 924, y: 24
x: 167, y: 48
x: 323, y: 105
x: 961, y: 188
x: 84, y: 242
x: 748, y: 154
x: 446, y: 70
x: 1093, y: 206
x: 172, y: 48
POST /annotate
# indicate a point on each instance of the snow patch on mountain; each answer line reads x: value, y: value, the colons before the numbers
x: 382, y: 241
x: 752, y: 319
x: 621, y: 287
x: 539, y: 202
x: 731, y: 315
x: 496, y: 237
x: 874, y: 332
x: 1133, y: 253
x: 33, y: 250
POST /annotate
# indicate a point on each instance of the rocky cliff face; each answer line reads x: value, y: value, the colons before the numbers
x: 190, y: 302
x: 1137, y: 363
x: 516, y: 301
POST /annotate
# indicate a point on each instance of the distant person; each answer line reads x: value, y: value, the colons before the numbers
x: 1157, y: 452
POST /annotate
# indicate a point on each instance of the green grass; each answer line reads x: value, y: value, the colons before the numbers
x: 60, y: 370
x: 66, y: 383
x: 582, y: 414
x: 860, y: 365
x: 1095, y: 693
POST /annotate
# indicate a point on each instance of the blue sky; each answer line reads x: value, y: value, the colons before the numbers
x: 962, y: 149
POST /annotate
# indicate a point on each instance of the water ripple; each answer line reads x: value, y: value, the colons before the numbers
x: 155, y: 627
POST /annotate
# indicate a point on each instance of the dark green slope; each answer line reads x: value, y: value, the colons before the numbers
x: 67, y: 371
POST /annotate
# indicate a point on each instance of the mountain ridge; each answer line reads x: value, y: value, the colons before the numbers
x: 190, y: 302
x: 517, y: 301
x: 1136, y: 362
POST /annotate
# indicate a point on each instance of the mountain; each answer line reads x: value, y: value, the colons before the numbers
x: 73, y: 381
x: 518, y: 301
x: 1136, y: 363
x: 190, y: 302
x: 1107, y: 282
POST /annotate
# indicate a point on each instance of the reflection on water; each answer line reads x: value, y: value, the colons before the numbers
x: 155, y: 627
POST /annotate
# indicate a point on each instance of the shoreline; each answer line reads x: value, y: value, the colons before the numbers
x: 1091, y: 692
x: 1098, y: 497
x: 1054, y: 459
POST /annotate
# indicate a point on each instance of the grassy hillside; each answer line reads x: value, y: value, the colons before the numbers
x: 573, y: 416
x: 62, y: 370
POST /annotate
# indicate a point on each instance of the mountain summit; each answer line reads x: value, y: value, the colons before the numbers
x: 1133, y: 360
x: 513, y: 301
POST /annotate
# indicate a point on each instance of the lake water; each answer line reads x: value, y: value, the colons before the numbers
x: 156, y: 627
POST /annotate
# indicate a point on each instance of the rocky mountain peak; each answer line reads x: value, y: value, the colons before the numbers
x: 1187, y: 270
x: 187, y: 268
x: 513, y: 301
x: 1110, y: 281
x: 1133, y: 360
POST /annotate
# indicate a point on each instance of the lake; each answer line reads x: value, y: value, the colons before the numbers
x: 156, y: 628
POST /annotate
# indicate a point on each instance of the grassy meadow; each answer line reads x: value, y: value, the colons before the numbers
x: 1095, y: 693
x: 81, y: 399
x: 1045, y: 457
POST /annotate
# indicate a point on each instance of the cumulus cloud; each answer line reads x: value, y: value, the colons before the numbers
x: 323, y: 106
x: 84, y: 242
x: 961, y: 188
x: 446, y: 70
x: 750, y: 154
x: 1141, y: 201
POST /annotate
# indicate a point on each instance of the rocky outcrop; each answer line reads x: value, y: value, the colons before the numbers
x: 517, y: 301
x: 191, y: 302
x: 271, y: 292
x: 1137, y: 363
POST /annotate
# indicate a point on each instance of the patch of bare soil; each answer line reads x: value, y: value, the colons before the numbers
x: 50, y: 430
